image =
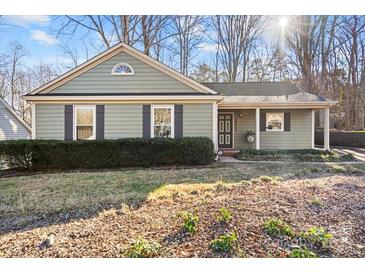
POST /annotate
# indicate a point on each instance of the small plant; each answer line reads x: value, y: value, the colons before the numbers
x: 317, y: 236
x: 190, y: 221
x: 302, y: 253
x: 142, y: 248
x: 225, y: 243
x: 277, y: 227
x: 225, y: 215
x: 316, y: 202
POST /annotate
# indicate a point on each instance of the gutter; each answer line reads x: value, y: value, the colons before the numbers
x: 121, y: 98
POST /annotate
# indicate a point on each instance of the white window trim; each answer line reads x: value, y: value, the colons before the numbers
x: 172, y: 107
x: 75, y: 119
x: 281, y: 114
x: 122, y: 74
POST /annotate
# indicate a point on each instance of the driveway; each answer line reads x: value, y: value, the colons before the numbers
x: 357, y: 152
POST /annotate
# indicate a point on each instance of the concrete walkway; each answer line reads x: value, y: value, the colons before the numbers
x: 357, y: 152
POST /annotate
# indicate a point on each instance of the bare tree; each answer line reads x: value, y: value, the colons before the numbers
x: 236, y: 36
x: 189, y: 37
x: 16, y: 54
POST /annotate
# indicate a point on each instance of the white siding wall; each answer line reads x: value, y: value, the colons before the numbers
x: 10, y: 127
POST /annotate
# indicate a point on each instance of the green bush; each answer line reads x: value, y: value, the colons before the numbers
x: 225, y: 215
x: 129, y: 152
x: 302, y: 253
x: 142, y: 248
x: 225, y: 243
x: 318, y: 236
x: 277, y: 227
x: 190, y: 221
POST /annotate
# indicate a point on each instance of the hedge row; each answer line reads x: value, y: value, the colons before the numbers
x: 130, y: 152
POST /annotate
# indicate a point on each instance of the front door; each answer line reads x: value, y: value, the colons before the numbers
x: 225, y: 130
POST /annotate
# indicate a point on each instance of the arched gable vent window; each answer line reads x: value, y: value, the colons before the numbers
x: 122, y: 69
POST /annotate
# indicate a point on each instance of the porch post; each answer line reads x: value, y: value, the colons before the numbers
x: 257, y: 137
x: 215, y: 126
x: 326, y: 133
x: 313, y: 128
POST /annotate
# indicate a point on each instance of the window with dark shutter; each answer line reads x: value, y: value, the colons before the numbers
x: 287, y: 121
x: 100, y: 109
x: 262, y: 121
x: 146, y: 121
x: 68, y: 122
x: 178, y: 121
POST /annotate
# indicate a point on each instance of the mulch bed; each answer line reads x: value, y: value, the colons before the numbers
x: 109, y: 234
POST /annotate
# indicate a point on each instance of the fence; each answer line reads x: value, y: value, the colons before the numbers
x: 342, y: 138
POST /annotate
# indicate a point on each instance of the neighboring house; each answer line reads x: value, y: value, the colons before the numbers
x: 11, y: 125
x: 123, y: 93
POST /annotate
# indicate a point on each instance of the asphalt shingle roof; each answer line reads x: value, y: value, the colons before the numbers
x: 263, y: 92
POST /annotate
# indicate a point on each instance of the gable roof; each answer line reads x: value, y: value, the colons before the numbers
x: 16, y: 116
x: 120, y: 47
x: 265, y: 93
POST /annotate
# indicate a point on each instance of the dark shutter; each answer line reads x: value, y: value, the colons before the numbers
x: 262, y: 121
x: 99, y: 122
x: 147, y: 121
x: 286, y: 121
x: 178, y: 121
x: 68, y: 122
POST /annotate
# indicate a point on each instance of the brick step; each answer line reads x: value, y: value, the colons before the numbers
x: 229, y: 151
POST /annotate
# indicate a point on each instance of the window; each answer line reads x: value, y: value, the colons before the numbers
x: 162, y: 122
x: 122, y: 69
x: 84, y: 122
x: 274, y: 121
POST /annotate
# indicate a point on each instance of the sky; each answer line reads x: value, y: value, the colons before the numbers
x: 38, y: 35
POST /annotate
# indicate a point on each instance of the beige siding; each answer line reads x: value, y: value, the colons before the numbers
x: 10, y: 127
x: 145, y: 79
x: 123, y: 121
x: 299, y: 136
x: 198, y: 120
x: 50, y: 121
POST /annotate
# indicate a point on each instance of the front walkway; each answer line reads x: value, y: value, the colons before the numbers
x: 357, y: 152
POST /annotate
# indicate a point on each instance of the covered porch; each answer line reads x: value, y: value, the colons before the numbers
x: 268, y: 127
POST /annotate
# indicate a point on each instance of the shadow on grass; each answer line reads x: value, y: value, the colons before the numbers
x: 44, y: 199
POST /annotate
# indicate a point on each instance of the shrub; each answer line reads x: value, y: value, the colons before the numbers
x: 317, y: 236
x: 142, y: 248
x: 277, y: 227
x: 225, y: 215
x: 190, y: 221
x: 225, y: 243
x: 129, y: 152
x: 302, y: 253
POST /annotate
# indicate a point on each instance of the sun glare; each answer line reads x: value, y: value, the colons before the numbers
x: 283, y: 21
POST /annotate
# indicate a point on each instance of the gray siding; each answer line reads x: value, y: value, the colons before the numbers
x: 241, y: 125
x: 145, y: 79
x: 10, y: 127
x: 50, y: 121
x: 198, y: 120
x: 123, y: 121
x: 299, y: 136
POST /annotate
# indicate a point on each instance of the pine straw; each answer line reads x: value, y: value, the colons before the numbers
x: 108, y: 234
